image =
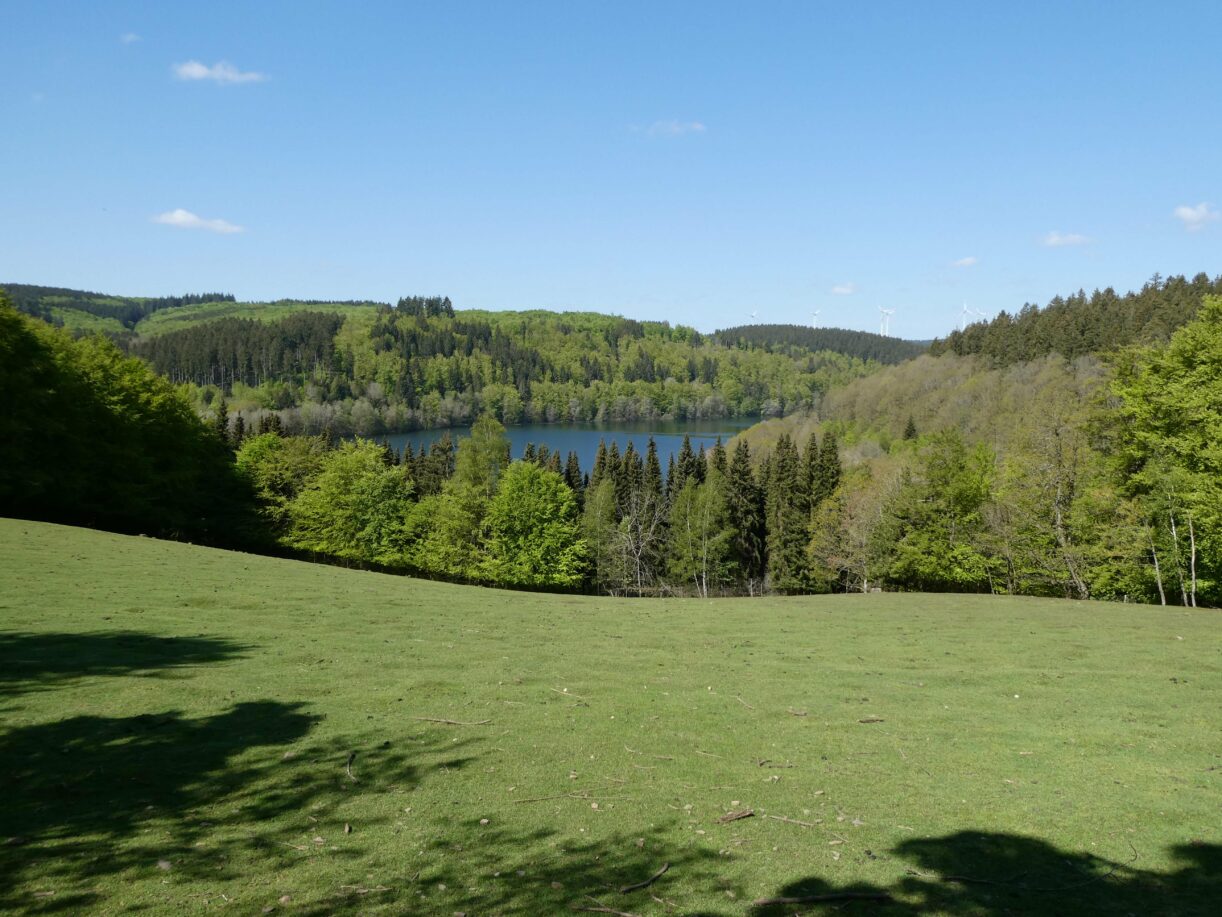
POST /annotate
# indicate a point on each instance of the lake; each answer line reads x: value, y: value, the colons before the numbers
x: 584, y: 438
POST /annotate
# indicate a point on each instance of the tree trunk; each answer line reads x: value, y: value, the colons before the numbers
x: 1158, y: 573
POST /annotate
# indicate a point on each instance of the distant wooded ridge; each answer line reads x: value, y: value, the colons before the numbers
x: 1080, y: 324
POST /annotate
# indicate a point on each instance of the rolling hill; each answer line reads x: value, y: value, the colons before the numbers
x: 187, y: 728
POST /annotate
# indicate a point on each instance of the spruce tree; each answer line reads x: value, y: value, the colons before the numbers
x: 910, y: 429
x: 746, y: 515
x: 786, y: 522
x: 600, y: 464
x: 220, y: 423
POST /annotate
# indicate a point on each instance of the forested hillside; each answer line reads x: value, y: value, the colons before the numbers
x: 798, y: 338
x: 56, y: 304
x: 1091, y: 477
x: 1080, y: 324
x: 423, y: 364
x: 92, y: 437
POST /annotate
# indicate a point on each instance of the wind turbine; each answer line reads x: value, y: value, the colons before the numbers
x: 963, y: 316
x: 814, y: 319
x: 884, y: 327
x: 753, y: 314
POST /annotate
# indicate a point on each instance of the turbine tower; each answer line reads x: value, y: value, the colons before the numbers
x: 884, y: 326
x: 753, y: 314
x: 814, y: 319
x: 963, y: 316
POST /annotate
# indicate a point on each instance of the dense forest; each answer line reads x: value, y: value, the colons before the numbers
x: 89, y: 436
x: 800, y: 339
x: 1086, y: 478
x: 1096, y: 477
x: 1080, y: 324
x: 424, y: 365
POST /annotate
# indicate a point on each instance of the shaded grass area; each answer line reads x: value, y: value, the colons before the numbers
x: 196, y: 730
x: 167, y: 320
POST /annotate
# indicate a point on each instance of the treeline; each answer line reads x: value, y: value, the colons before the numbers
x: 423, y: 365
x: 1084, y: 324
x: 710, y: 524
x: 1083, y: 479
x: 246, y: 351
x: 39, y: 302
x: 800, y: 338
x: 91, y: 437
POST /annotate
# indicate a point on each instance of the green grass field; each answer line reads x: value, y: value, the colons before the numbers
x: 176, y: 727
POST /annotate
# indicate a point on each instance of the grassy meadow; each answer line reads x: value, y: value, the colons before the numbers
x: 186, y: 730
x: 167, y: 320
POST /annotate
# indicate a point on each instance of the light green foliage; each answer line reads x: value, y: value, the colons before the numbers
x: 533, y: 535
x: 701, y: 536
x: 937, y: 518
x: 1170, y: 446
x: 168, y: 320
x: 279, y: 468
x: 177, y: 722
x: 356, y: 507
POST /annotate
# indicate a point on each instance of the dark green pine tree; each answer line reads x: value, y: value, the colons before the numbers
x: 573, y: 477
x: 220, y: 423
x: 544, y: 457
x: 654, y: 487
x: 600, y: 464
x: 785, y: 519
x: 910, y: 429
x: 811, y: 459
x: 827, y: 477
x: 670, y: 478
x: 718, y: 458
x: 685, y: 465
x: 239, y: 431
x: 631, y: 478
x: 389, y: 457
x: 702, y: 465
x: 614, y: 470
x: 553, y: 462
x: 528, y: 454
x: 746, y: 516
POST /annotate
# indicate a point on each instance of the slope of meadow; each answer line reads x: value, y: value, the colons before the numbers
x: 191, y: 730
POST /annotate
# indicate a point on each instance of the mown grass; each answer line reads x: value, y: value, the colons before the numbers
x: 177, y: 724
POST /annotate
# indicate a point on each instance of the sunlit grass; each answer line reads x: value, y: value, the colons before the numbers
x: 178, y: 723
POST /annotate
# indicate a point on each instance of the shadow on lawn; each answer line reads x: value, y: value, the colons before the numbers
x: 42, y: 662
x: 976, y: 874
x: 484, y: 869
x: 164, y: 795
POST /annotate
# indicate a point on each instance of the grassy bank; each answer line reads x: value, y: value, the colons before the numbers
x: 191, y: 730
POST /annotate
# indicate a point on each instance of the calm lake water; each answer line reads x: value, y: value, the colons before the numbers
x: 583, y: 438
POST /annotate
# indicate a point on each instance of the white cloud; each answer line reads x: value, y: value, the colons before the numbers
x: 129, y: 38
x: 220, y: 72
x: 844, y: 289
x: 1057, y: 239
x: 1195, y: 218
x: 185, y: 219
x: 675, y: 128
x: 965, y: 262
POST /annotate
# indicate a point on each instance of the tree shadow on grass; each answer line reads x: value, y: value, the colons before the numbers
x: 89, y: 798
x: 486, y: 869
x: 42, y: 662
x: 978, y: 874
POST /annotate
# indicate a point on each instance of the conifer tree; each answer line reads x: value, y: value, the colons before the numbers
x: 220, y: 422
x: 746, y: 516
x: 786, y: 522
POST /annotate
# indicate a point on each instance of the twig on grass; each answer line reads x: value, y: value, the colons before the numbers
x: 648, y: 882
x: 659, y: 757
x: 603, y: 909
x: 743, y: 702
x: 348, y: 766
x: 567, y: 693
x: 707, y: 754
x: 735, y: 816
x: 815, y: 899
x: 431, y: 719
x: 792, y: 821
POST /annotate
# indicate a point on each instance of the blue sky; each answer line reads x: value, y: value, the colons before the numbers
x: 689, y: 162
